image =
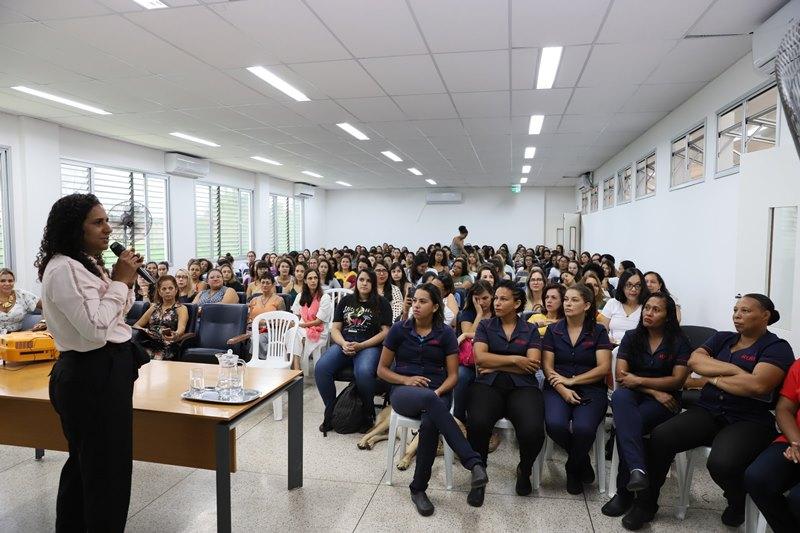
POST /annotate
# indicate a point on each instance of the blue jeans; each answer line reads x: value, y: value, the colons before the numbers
x: 435, y: 417
x: 573, y: 427
x: 766, y: 480
x: 365, y: 368
x: 635, y: 415
x: 466, y: 375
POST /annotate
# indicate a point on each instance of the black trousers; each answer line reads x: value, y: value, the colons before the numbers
x: 767, y: 479
x: 523, y: 406
x: 733, y: 447
x: 92, y: 392
x: 434, y: 414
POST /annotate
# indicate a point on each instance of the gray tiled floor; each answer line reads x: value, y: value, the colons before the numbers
x: 342, y: 491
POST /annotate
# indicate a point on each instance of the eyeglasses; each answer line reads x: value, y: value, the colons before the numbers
x: 636, y: 286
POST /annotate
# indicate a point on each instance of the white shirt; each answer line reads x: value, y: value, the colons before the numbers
x: 324, y: 313
x: 619, y: 322
x: 83, y: 311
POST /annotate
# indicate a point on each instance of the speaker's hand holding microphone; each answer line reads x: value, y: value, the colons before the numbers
x: 128, y: 266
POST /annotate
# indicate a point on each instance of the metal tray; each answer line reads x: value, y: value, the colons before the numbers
x: 210, y: 395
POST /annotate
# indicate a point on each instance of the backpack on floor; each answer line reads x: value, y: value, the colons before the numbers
x: 348, y: 411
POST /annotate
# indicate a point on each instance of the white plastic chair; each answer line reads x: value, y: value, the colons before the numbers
x: 685, y: 464
x: 338, y: 294
x: 403, y: 422
x: 505, y: 424
x: 754, y: 521
x: 278, y: 324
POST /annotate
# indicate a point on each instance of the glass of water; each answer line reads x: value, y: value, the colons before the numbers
x: 196, y: 381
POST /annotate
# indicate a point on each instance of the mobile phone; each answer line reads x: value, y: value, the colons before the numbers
x: 410, y: 292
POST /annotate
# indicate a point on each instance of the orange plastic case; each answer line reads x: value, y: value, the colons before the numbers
x: 27, y: 346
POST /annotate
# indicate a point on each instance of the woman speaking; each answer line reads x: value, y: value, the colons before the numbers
x: 91, y: 385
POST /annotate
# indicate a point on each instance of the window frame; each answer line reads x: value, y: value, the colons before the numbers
x: 212, y: 229
x: 273, y: 220
x: 742, y: 100
x: 7, y: 206
x: 787, y: 318
x: 611, y: 204
x: 654, y: 153
x: 145, y: 174
x: 702, y: 124
x: 620, y: 176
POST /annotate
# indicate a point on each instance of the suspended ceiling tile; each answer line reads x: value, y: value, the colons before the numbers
x: 339, y: 79
x: 426, y: 106
x: 546, y: 23
x: 474, y: 71
x: 463, y: 25
x: 405, y: 74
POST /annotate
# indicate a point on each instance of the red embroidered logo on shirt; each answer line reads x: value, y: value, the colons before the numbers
x: 748, y: 357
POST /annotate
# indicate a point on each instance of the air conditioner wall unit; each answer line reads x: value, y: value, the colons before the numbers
x: 768, y: 36
x: 444, y: 197
x: 178, y: 164
x: 304, y: 190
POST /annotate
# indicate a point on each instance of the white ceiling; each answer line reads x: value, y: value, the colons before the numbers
x: 448, y: 85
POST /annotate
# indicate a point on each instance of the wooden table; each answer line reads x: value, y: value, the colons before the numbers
x: 193, y: 434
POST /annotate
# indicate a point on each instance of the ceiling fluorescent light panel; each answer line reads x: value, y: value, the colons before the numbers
x: 548, y: 66
x: 278, y: 83
x: 194, y: 139
x: 312, y: 174
x: 60, y: 100
x: 535, y: 125
x: 414, y: 171
x: 352, y: 130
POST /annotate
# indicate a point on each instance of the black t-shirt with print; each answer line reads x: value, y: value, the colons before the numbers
x: 359, y: 323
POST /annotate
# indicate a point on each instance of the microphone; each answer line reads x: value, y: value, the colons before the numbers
x: 117, y: 248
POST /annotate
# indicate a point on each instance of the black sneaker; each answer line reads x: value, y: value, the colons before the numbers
x: 617, y: 506
x: 523, y: 487
x: 327, y: 424
x: 475, y: 496
x: 479, y: 476
x: 733, y: 515
x: 423, y: 504
x: 637, y: 481
x: 636, y: 518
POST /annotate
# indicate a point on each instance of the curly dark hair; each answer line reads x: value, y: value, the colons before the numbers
x: 63, y: 233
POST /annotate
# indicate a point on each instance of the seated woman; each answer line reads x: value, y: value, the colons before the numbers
x: 345, y: 276
x: 508, y: 355
x: 284, y: 279
x: 216, y: 293
x: 360, y: 323
x: 534, y: 290
x: 425, y: 356
x: 553, y: 308
x: 461, y: 277
x: 152, y: 269
x: 256, y: 271
x: 398, y: 278
x: 524, y: 272
x: 655, y: 283
x: 733, y: 415
x: 575, y: 268
x: 298, y: 277
x: 164, y: 322
x: 567, y: 279
x: 487, y: 272
x: 143, y: 291
x: 163, y: 268
x: 389, y: 291
x: 777, y: 469
x: 592, y: 280
x: 439, y: 264
x: 472, y: 264
x: 229, y: 278
x: 478, y: 307
x: 651, y: 369
x: 326, y: 278
x: 624, y: 311
x: 195, y: 272
x: 577, y: 357
x: 444, y: 283
x: 185, y: 292
x: 15, y: 304
x: 418, y: 268
x: 315, y: 310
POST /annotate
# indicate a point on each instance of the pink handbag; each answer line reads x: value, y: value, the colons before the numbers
x: 465, y: 355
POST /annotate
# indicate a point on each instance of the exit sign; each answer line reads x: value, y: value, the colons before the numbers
x: 516, y: 188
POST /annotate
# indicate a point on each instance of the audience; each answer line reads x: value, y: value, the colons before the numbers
x: 650, y: 370
x: 256, y: 271
x: 398, y: 279
x: 284, y: 279
x: 553, y: 310
x: 360, y: 323
x: 326, y: 277
x: 229, y: 278
x: 163, y: 268
x: 576, y: 357
x: 186, y: 293
x: 217, y: 292
x: 622, y: 312
x: 655, y: 283
x: 164, y: 322
x: 460, y: 274
x: 389, y: 291
x: 507, y: 354
x: 534, y: 291
x: 195, y: 271
x: 15, y: 304
x: 345, y: 276
x: 733, y: 415
x: 424, y: 353
x: 315, y: 310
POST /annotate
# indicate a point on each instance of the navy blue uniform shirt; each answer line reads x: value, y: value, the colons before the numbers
x: 769, y: 348
x: 654, y: 365
x: 421, y: 356
x: 524, y: 337
x: 569, y: 360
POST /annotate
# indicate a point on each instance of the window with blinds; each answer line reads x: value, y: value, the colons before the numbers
x: 5, y: 255
x: 286, y: 215
x: 116, y: 186
x: 223, y: 221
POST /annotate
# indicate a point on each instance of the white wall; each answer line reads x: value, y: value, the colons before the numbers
x: 493, y: 215
x: 708, y: 240
x: 37, y: 147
